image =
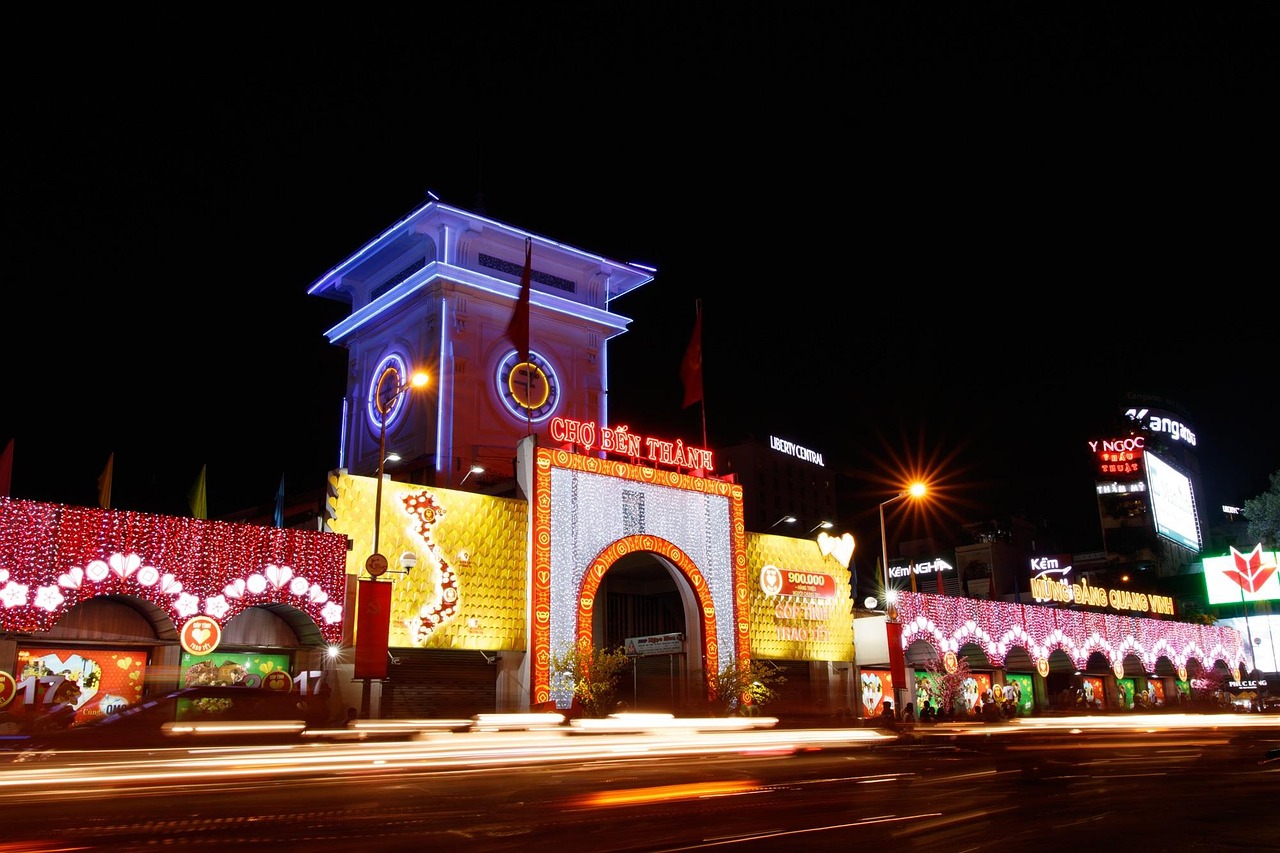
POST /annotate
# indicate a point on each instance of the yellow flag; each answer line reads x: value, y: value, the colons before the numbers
x: 104, y: 483
x: 198, y: 497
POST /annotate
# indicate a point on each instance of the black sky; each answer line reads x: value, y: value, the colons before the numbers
x: 937, y: 240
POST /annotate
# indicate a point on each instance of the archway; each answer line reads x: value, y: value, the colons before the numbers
x: 651, y: 584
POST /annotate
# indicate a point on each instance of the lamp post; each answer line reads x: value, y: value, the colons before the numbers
x: 475, y: 469
x: 789, y: 519
x: 917, y: 490
x: 377, y: 564
x: 825, y: 525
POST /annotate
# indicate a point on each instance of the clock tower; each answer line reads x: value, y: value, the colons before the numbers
x: 435, y: 292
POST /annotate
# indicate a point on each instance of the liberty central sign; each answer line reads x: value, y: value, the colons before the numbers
x: 792, y: 449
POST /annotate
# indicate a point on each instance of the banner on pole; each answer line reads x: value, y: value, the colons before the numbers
x: 373, y: 626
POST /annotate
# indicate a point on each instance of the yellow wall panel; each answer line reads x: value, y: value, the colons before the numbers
x: 461, y: 540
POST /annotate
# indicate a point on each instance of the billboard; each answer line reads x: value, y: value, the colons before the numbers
x: 1238, y: 578
x: 1172, y: 503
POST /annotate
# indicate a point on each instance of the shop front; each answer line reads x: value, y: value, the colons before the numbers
x: 1080, y: 660
x: 101, y: 608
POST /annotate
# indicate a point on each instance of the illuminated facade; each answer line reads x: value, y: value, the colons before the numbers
x: 577, y: 533
x: 436, y: 292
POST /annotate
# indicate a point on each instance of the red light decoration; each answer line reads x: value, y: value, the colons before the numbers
x: 947, y: 623
x: 53, y: 557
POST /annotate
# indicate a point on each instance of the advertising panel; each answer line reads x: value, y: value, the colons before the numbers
x: 1124, y: 693
x: 1018, y: 689
x: 93, y: 682
x: 236, y: 669
x: 974, y: 688
x: 1237, y: 578
x: 798, y: 596
x: 1091, y: 693
x: 1172, y: 503
x: 875, y: 686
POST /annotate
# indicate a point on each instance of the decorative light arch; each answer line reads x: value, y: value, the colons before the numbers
x: 53, y: 557
x: 947, y: 622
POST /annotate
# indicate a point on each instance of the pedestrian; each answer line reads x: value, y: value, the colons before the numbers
x: 887, y: 718
x: 927, y: 713
x: 909, y: 713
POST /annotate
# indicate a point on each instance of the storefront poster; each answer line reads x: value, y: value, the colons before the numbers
x: 925, y: 691
x: 102, y: 681
x: 972, y: 689
x: 235, y: 669
x: 876, y: 686
x: 1124, y: 693
x: 1091, y: 692
x: 232, y: 669
x: 1018, y: 688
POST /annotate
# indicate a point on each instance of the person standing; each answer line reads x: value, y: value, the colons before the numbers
x: 888, y: 718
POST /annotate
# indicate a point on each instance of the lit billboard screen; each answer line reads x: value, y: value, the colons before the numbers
x: 1172, y: 503
x: 1238, y: 577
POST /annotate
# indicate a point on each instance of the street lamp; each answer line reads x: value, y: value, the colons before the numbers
x: 377, y: 564
x: 475, y: 469
x: 917, y: 490
x: 825, y: 525
x: 789, y: 519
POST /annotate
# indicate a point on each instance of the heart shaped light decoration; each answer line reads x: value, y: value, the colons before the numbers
x: 839, y: 547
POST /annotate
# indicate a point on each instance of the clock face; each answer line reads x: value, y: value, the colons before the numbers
x: 391, y: 401
x: 529, y: 389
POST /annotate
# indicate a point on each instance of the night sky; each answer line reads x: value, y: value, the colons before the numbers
x: 937, y: 242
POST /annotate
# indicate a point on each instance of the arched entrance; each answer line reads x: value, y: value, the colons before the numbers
x: 645, y: 594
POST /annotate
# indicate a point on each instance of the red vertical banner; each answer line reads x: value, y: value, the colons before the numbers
x: 897, y: 663
x: 691, y: 365
x: 6, y: 469
x: 373, y: 627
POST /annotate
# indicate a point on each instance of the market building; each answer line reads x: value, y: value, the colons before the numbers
x: 519, y: 524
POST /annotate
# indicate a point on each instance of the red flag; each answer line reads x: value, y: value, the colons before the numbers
x: 6, y: 469
x: 373, y: 627
x: 518, y: 330
x: 691, y: 366
x: 104, y: 483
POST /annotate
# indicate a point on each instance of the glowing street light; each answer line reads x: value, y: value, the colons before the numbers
x: 917, y: 490
x: 377, y: 564
x: 789, y: 519
x: 825, y: 525
x: 475, y: 469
